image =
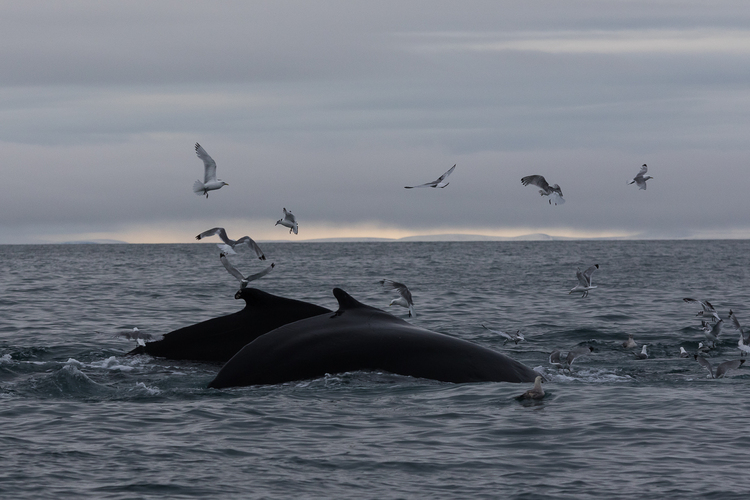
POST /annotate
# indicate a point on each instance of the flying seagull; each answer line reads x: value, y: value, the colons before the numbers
x: 513, y: 337
x: 544, y: 188
x: 573, y: 354
x: 535, y: 392
x: 639, y: 179
x: 722, y: 369
x: 707, y: 309
x: 405, y: 300
x: 244, y: 280
x: 289, y: 221
x: 230, y: 243
x: 439, y: 183
x: 712, y: 333
x: 584, y: 281
x: 210, y: 182
x: 744, y: 343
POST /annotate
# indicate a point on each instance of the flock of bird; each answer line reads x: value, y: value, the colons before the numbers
x: 711, y: 330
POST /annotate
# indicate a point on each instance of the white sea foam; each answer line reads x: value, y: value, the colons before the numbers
x: 6, y: 359
x: 112, y: 363
x: 152, y: 391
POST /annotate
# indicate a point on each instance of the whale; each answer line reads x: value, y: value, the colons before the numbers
x: 217, y: 340
x: 358, y: 337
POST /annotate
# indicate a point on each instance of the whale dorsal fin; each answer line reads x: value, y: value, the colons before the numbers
x: 347, y: 302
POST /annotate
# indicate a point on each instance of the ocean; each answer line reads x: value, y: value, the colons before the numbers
x: 80, y: 419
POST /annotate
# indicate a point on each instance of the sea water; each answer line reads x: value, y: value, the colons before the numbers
x: 80, y: 419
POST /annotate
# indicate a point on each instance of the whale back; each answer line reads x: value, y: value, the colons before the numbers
x: 218, y: 339
x: 361, y: 337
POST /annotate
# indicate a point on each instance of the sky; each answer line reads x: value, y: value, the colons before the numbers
x: 330, y: 108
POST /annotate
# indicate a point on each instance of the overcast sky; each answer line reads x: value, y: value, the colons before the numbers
x: 330, y: 108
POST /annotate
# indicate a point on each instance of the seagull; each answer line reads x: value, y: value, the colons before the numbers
x: 643, y: 354
x: 639, y: 179
x: 708, y: 309
x: 439, y: 183
x: 137, y: 335
x: 405, y: 300
x: 584, y: 281
x: 242, y: 279
x: 630, y: 342
x: 230, y: 243
x: 534, y: 393
x: 712, y: 334
x: 544, y: 188
x: 514, y: 337
x: 210, y: 182
x: 554, y: 359
x: 289, y: 221
x: 703, y: 348
x: 722, y: 369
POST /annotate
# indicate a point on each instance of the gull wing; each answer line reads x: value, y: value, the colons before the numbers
x: 289, y: 216
x: 705, y: 364
x: 502, y: 334
x: 435, y: 182
x: 716, y: 330
x: 232, y: 270
x: 222, y: 234
x: 559, y: 200
x: 445, y: 175
x: 577, y: 353
x: 728, y: 365
x: 643, y: 171
x: 265, y: 271
x: 209, y: 164
x: 536, y: 180
x: 735, y: 323
x: 588, y: 272
x: 253, y: 246
x: 402, y: 290
x: 554, y: 357
x: 641, y: 183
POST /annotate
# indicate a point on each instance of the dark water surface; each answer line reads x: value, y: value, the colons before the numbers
x: 80, y: 419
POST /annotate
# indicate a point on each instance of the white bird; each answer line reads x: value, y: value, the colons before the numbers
x: 643, y: 354
x: 439, y: 183
x: 544, y: 188
x: 683, y: 353
x: 744, y: 342
x: 722, y: 369
x: 703, y: 348
x: 630, y: 342
x: 289, y: 221
x: 210, y: 182
x: 535, y: 392
x: 230, y: 243
x: 244, y: 280
x: 405, y: 300
x: 584, y: 281
x: 513, y: 337
x: 639, y: 179
x: 554, y: 359
x: 707, y: 309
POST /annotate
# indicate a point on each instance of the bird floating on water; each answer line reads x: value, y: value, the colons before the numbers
x: 244, y: 280
x: 210, y: 182
x: 405, y: 300
x: 639, y: 179
x: 513, y: 337
x: 289, y: 221
x: 439, y: 183
x: 684, y: 353
x: 643, y: 354
x: 544, y: 188
x: 630, y: 343
x: 229, y: 243
x: 722, y: 369
x: 584, y: 281
x: 707, y: 309
x: 535, y: 392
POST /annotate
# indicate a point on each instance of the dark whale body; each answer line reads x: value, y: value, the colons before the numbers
x: 218, y: 339
x: 360, y: 337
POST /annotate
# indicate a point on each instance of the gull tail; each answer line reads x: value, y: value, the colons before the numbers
x: 198, y: 188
